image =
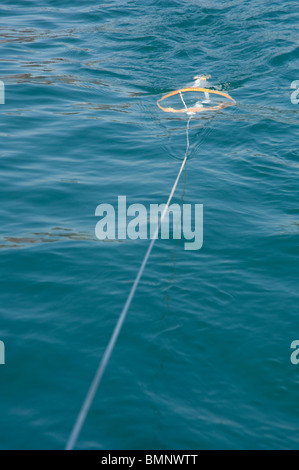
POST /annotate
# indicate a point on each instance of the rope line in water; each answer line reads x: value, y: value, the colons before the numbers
x: 109, y: 350
x: 104, y: 362
x: 182, y: 98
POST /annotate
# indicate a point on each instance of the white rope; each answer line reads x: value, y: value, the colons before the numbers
x: 102, y: 367
x: 183, y: 101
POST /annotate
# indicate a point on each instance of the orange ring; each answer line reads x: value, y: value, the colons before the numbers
x: 196, y: 109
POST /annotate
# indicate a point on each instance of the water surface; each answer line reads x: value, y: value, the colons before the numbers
x: 203, y: 361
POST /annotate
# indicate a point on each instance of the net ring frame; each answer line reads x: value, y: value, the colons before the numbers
x: 196, y: 109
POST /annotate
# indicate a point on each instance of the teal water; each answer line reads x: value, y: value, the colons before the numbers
x: 203, y: 361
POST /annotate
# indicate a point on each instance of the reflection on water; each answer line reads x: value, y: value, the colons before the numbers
x: 57, y: 234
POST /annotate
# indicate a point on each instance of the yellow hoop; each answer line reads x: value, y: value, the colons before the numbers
x: 196, y: 109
